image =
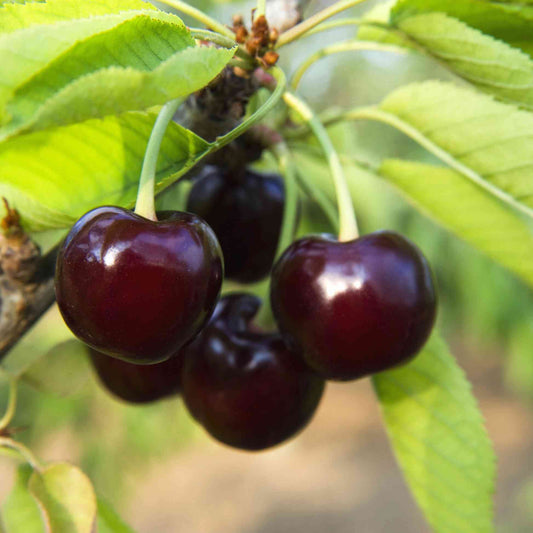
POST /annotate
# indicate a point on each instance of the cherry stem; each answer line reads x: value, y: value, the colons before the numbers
x: 261, y: 9
x: 288, y: 171
x: 348, y: 46
x: 198, y: 15
x: 297, y: 31
x: 22, y: 450
x: 347, y: 221
x: 145, y: 205
x: 11, y: 404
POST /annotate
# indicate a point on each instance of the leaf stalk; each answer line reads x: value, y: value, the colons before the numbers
x: 297, y: 31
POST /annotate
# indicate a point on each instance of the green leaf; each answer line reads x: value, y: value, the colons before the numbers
x: 23, y: 55
x: 381, y: 14
x: 468, y: 211
x: 20, y: 511
x: 99, y: 162
x: 66, y: 498
x: 488, y: 142
x: 63, y: 370
x: 440, y: 441
x: 129, y: 61
x: 109, y: 521
x: 83, y: 166
x: 507, y: 22
x: 117, y: 90
x: 487, y: 63
x: 16, y: 16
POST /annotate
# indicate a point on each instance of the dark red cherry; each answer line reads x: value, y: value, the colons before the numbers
x: 138, y: 383
x: 244, y: 386
x: 136, y: 289
x: 354, y: 308
x: 246, y: 213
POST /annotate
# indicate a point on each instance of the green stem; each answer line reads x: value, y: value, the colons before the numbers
x: 11, y: 404
x: 145, y: 205
x: 259, y: 114
x: 261, y: 8
x: 376, y: 114
x: 349, y: 21
x: 333, y: 24
x: 290, y: 211
x: 24, y: 451
x: 348, y: 46
x: 308, y: 24
x: 198, y: 15
x: 347, y: 221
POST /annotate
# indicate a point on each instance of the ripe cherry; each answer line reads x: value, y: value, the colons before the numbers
x: 245, y: 387
x: 138, y: 383
x: 354, y: 308
x: 136, y: 289
x: 245, y: 212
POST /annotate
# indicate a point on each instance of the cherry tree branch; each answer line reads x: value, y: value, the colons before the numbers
x: 22, y: 302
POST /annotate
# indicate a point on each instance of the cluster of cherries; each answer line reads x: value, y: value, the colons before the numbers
x: 143, y: 295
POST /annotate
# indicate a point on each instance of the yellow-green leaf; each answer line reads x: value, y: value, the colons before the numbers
x: 440, y: 441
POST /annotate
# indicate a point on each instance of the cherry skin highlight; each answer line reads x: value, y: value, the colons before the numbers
x: 136, y: 289
x: 245, y: 213
x: 138, y: 383
x: 245, y: 387
x: 354, y: 308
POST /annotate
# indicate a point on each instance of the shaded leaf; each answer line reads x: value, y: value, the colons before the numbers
x: 109, y: 521
x: 440, y: 441
x: 20, y: 511
x: 63, y: 370
x: 489, y: 64
x: 66, y: 498
x: 468, y: 211
x: 507, y: 22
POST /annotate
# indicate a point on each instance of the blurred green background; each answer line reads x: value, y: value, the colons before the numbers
x: 485, y: 313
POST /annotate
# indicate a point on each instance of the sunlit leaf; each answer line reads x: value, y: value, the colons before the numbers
x: 489, y: 142
x: 99, y: 66
x: 83, y: 166
x: 15, y: 16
